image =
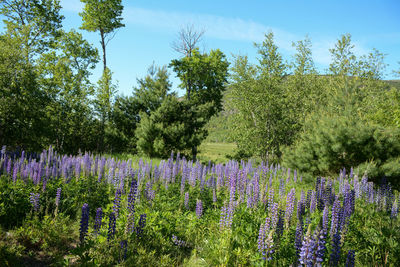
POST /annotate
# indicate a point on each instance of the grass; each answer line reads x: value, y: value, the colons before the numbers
x: 216, y: 152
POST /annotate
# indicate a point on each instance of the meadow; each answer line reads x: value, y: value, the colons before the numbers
x: 95, y: 210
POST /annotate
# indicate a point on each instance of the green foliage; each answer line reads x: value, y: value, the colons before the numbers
x: 102, y: 16
x: 164, y: 130
x: 14, y: 202
x: 261, y: 123
x: 203, y: 76
x: 333, y: 142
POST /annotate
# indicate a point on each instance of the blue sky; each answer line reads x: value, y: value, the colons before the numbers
x: 233, y: 26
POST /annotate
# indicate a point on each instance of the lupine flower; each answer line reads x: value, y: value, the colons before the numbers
x: 131, y: 206
x: 313, y: 202
x: 270, y: 199
x: 395, y: 209
x: 199, y: 208
x: 321, y: 247
x: 178, y: 242
x: 289, y: 206
x: 34, y: 199
x: 124, y: 248
x: 308, y: 199
x: 335, y: 254
x: 97, y: 220
x: 307, y: 250
x: 279, y: 225
x: 335, y: 216
x: 274, y: 215
x: 111, y: 227
x: 187, y: 200
x: 264, y: 229
x: 58, y: 196
x: 325, y: 218
x: 298, y: 238
x: 117, y: 202
x: 142, y: 224
x: 350, y: 259
x: 84, y: 222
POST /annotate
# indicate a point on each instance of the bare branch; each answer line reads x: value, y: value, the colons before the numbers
x: 187, y: 40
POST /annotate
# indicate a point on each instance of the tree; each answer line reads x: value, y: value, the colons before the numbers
x: 259, y: 101
x: 128, y: 111
x: 203, y: 76
x: 22, y: 103
x: 32, y: 29
x: 35, y: 23
x: 163, y: 130
x: 188, y: 40
x: 64, y: 74
x: 103, y: 16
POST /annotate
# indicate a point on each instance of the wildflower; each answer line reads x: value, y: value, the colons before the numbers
x: 97, y: 220
x: 199, y: 208
x: 350, y: 259
x: 111, y: 227
x: 335, y: 254
x: 84, y: 222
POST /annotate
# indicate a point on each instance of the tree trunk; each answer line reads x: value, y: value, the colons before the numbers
x: 103, y: 46
x: 194, y: 153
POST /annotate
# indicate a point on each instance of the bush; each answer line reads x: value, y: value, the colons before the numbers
x: 335, y: 142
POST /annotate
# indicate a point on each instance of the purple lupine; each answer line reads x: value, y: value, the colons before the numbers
x: 325, y: 218
x: 321, y: 247
x: 298, y: 238
x: 187, y: 200
x: 335, y: 254
x: 300, y: 210
x: 274, y: 215
x: 335, y: 224
x: 58, y: 196
x: 142, y: 224
x: 124, y: 247
x: 279, y: 225
x: 34, y: 199
x: 131, y: 206
x: 350, y: 259
x: 308, y: 199
x: 15, y: 173
x: 214, y: 196
x: 307, y: 250
x: 97, y: 220
x: 313, y: 202
x: 117, y: 202
x: 111, y: 227
x: 264, y: 229
x: 270, y: 199
x: 84, y: 222
x: 223, y: 217
x: 178, y: 242
x: 394, y: 210
x: 289, y: 206
x: 199, y: 208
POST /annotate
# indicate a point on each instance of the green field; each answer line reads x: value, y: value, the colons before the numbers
x: 216, y: 152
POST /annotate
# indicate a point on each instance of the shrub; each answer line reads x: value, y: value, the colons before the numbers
x: 335, y: 142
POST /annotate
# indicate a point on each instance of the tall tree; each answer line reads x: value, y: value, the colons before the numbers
x: 207, y: 76
x: 103, y: 16
x: 32, y: 29
x: 187, y: 42
x: 263, y: 119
